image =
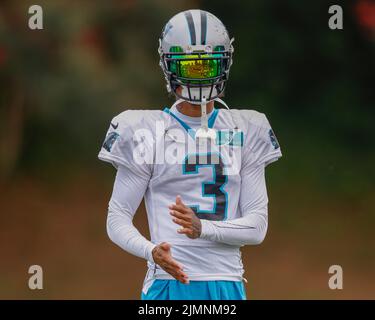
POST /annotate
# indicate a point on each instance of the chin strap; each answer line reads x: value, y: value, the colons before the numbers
x: 222, y: 102
x: 204, y: 119
x: 177, y: 103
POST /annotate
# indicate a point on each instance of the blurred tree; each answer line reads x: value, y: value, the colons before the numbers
x: 315, y: 84
x: 60, y: 86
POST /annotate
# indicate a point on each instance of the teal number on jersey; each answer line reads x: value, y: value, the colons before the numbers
x: 214, y: 188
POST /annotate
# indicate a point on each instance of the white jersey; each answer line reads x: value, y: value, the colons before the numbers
x: 159, y: 146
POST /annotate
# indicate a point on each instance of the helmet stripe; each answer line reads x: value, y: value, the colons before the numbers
x: 190, y: 22
x: 203, y: 27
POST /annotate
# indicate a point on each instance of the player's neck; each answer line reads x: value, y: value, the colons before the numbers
x: 193, y: 110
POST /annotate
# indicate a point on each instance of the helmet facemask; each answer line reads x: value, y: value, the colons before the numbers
x: 201, y: 72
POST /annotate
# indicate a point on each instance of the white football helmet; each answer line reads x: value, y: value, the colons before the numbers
x: 195, y: 54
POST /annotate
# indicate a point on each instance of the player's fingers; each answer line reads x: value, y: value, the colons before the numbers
x: 184, y: 277
x: 179, y: 215
x: 179, y: 208
x: 186, y: 231
x: 173, y: 263
x: 177, y: 274
x: 169, y: 259
x: 166, y: 258
x: 184, y: 280
x: 183, y: 223
x: 181, y: 277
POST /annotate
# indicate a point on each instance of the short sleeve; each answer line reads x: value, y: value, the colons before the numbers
x: 262, y: 146
x: 128, y: 143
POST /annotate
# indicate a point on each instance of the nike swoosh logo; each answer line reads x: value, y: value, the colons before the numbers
x: 114, y: 126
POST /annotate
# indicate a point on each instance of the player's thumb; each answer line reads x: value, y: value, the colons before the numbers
x: 179, y: 200
x: 165, y: 246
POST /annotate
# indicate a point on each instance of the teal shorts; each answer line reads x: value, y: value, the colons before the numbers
x: 195, y: 290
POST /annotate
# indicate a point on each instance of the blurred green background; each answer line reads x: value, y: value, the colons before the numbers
x: 60, y: 87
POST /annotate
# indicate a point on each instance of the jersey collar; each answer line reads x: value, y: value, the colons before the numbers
x: 189, y: 130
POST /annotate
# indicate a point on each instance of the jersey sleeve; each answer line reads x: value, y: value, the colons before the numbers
x: 251, y: 227
x: 129, y: 142
x: 261, y: 144
x: 127, y: 194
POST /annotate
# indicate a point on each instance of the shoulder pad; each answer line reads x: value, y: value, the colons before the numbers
x: 136, y: 119
x: 253, y: 117
x: 245, y: 118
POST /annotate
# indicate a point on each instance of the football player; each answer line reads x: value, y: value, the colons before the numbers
x: 200, y: 170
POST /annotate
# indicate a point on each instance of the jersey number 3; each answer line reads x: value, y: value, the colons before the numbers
x: 214, y: 188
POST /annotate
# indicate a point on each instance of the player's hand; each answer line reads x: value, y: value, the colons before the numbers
x: 183, y: 215
x: 163, y: 257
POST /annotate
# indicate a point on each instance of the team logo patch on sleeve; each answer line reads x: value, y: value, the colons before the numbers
x: 110, y: 140
x: 273, y: 139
